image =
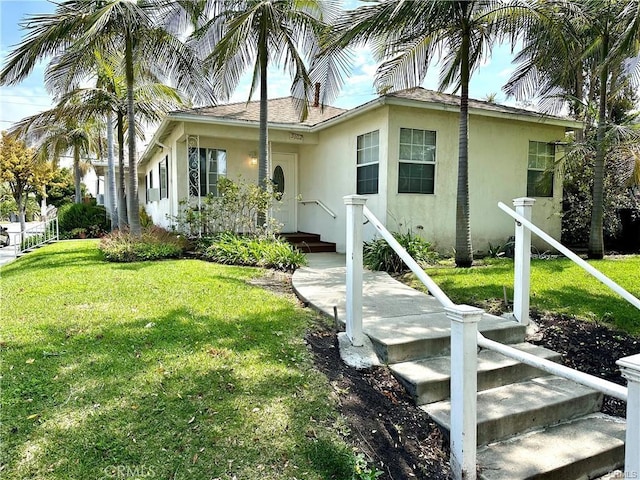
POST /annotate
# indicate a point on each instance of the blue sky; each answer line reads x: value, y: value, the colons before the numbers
x: 30, y: 96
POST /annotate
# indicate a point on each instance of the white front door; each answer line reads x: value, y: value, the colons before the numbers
x: 284, y: 177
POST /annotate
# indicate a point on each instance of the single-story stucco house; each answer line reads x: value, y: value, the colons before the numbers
x: 399, y: 150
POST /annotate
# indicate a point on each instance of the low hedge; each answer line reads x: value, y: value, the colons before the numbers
x: 154, y: 243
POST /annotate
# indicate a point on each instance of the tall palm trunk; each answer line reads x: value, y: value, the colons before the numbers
x: 111, y: 172
x: 464, y: 252
x: 263, y: 166
x: 596, y: 239
x: 122, y: 204
x: 132, y: 199
x: 76, y: 174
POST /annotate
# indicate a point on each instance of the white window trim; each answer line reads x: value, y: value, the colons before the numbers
x: 426, y: 162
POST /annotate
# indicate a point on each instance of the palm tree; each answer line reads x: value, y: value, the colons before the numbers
x: 408, y: 37
x: 254, y: 34
x: 78, y: 28
x: 579, y: 53
x: 55, y: 133
x: 108, y: 100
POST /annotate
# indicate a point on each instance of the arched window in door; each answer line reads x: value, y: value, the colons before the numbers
x: 278, y: 182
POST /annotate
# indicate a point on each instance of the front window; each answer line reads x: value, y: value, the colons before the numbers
x: 417, y: 161
x: 367, y: 163
x: 210, y: 165
x: 164, y: 178
x: 540, y: 169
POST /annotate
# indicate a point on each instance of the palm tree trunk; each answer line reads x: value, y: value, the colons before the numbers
x: 133, y: 202
x: 123, y: 221
x: 263, y: 162
x: 464, y: 252
x: 76, y: 174
x: 596, y: 240
x: 111, y: 172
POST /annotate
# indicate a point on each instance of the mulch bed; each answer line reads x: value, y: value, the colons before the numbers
x: 385, y: 424
x: 589, y: 347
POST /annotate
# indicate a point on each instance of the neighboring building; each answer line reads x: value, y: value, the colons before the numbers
x: 400, y: 150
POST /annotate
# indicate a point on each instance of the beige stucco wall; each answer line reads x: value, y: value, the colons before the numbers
x: 327, y: 172
x: 498, y: 150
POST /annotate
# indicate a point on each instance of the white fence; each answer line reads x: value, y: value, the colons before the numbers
x: 465, y: 337
x: 32, y: 237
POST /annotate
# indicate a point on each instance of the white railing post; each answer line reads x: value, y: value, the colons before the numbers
x: 464, y: 389
x: 355, y: 204
x: 630, y: 369
x: 522, y: 262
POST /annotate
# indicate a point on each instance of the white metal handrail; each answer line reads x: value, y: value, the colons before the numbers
x: 569, y: 254
x: 433, y: 288
x: 38, y: 235
x: 321, y: 205
x: 465, y: 340
x: 604, y: 386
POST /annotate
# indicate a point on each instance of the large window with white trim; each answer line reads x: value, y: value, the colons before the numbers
x: 367, y: 155
x: 211, y: 166
x: 540, y: 167
x: 416, y: 161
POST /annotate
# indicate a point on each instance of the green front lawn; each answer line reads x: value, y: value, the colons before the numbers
x: 169, y: 370
x: 557, y: 285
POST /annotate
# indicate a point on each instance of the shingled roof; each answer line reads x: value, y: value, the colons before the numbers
x: 280, y: 111
x: 420, y: 94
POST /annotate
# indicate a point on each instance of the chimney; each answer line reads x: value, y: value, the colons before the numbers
x: 316, y: 96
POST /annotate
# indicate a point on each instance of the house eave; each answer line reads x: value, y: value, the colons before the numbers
x: 524, y: 117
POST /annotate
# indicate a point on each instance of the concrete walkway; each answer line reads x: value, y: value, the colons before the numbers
x: 322, y: 284
x: 395, y: 316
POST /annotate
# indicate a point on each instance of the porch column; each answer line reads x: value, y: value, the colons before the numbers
x: 355, y: 204
x: 630, y: 369
x: 522, y: 262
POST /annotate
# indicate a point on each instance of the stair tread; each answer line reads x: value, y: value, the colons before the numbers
x: 434, y: 324
x: 496, y: 403
x: 572, y: 450
x: 439, y: 368
x: 519, y: 407
x: 314, y: 243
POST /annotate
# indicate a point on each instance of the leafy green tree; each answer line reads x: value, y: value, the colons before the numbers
x: 78, y: 28
x: 23, y: 171
x: 408, y: 37
x: 256, y: 33
x: 60, y: 189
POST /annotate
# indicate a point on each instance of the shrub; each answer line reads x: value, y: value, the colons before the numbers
x: 378, y: 254
x: 82, y: 219
x: 268, y: 252
x: 154, y: 243
x: 235, y: 209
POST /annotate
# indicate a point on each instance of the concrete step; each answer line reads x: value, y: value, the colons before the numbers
x: 428, y: 380
x: 413, y: 337
x: 521, y: 407
x: 583, y: 448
